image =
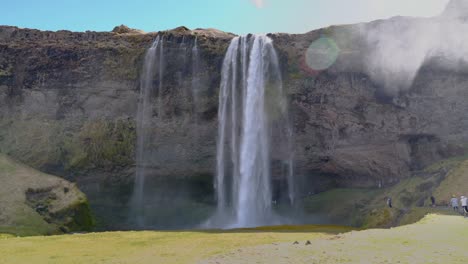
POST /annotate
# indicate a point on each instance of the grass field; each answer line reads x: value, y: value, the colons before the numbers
x: 435, y: 239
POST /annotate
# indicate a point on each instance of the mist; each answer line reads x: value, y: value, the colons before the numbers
x: 397, y: 48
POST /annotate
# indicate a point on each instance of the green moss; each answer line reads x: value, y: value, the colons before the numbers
x: 83, y: 219
x: 6, y: 166
x: 6, y: 71
x: 382, y: 217
x: 34, y: 142
x: 455, y: 183
x: 45, y: 143
x: 368, y: 208
x: 20, y: 209
x: 102, y: 144
x: 123, y: 63
x: 446, y: 164
x: 27, y: 223
x: 417, y: 213
x: 344, y: 206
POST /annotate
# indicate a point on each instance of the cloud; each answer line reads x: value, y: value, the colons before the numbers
x: 258, y: 3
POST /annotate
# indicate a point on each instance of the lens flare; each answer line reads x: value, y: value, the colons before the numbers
x: 321, y: 54
x: 258, y: 3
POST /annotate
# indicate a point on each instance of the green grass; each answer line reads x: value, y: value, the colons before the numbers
x: 437, y: 238
x: 456, y: 183
x: 343, y: 206
x: 17, y: 214
x: 367, y: 208
x: 145, y: 246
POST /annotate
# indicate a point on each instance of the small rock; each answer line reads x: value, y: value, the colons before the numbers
x: 308, y: 243
x: 64, y: 229
x: 296, y: 243
x: 123, y: 29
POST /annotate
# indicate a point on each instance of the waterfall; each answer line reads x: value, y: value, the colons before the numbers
x: 146, y: 103
x: 252, y: 113
x: 195, y: 78
x: 161, y: 78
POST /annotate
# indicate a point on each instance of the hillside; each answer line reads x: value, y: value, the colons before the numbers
x: 35, y: 203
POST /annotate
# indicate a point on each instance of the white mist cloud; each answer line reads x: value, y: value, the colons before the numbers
x: 397, y: 48
x: 258, y: 3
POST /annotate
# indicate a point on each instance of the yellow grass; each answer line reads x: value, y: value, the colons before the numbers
x: 435, y: 239
x: 145, y: 247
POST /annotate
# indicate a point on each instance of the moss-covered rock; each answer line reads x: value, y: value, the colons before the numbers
x: 102, y: 144
x: 98, y: 144
x: 34, y: 203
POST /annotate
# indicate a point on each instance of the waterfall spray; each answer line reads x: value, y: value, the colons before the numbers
x: 144, y: 115
x: 195, y: 78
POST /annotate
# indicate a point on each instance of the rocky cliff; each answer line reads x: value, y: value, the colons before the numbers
x: 371, y: 103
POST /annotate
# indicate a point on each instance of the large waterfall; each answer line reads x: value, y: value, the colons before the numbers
x: 252, y: 114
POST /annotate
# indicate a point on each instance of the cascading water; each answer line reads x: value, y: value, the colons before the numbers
x: 252, y: 112
x: 153, y: 62
x: 182, y: 58
x: 195, y: 78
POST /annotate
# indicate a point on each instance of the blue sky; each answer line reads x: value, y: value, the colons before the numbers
x: 237, y: 16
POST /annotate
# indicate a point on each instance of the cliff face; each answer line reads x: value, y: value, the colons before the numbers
x: 69, y: 100
x: 378, y: 106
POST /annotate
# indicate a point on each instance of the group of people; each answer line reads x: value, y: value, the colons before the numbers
x: 463, y: 202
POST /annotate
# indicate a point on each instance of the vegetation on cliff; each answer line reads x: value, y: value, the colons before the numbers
x: 367, y: 208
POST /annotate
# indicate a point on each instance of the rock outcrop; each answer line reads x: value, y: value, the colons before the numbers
x: 123, y: 29
x: 34, y: 203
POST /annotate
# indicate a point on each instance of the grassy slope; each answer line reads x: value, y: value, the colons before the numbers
x: 456, y: 183
x: 440, y: 239
x: 367, y: 207
x: 16, y: 216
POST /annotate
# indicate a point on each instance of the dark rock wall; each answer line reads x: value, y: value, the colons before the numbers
x: 68, y: 103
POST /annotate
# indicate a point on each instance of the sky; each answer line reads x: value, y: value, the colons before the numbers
x: 236, y: 16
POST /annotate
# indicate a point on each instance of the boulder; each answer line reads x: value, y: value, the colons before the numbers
x: 35, y: 203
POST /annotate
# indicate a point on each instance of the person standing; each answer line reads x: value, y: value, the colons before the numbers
x: 454, y: 203
x: 464, y: 204
x: 433, y: 201
x: 389, y: 202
